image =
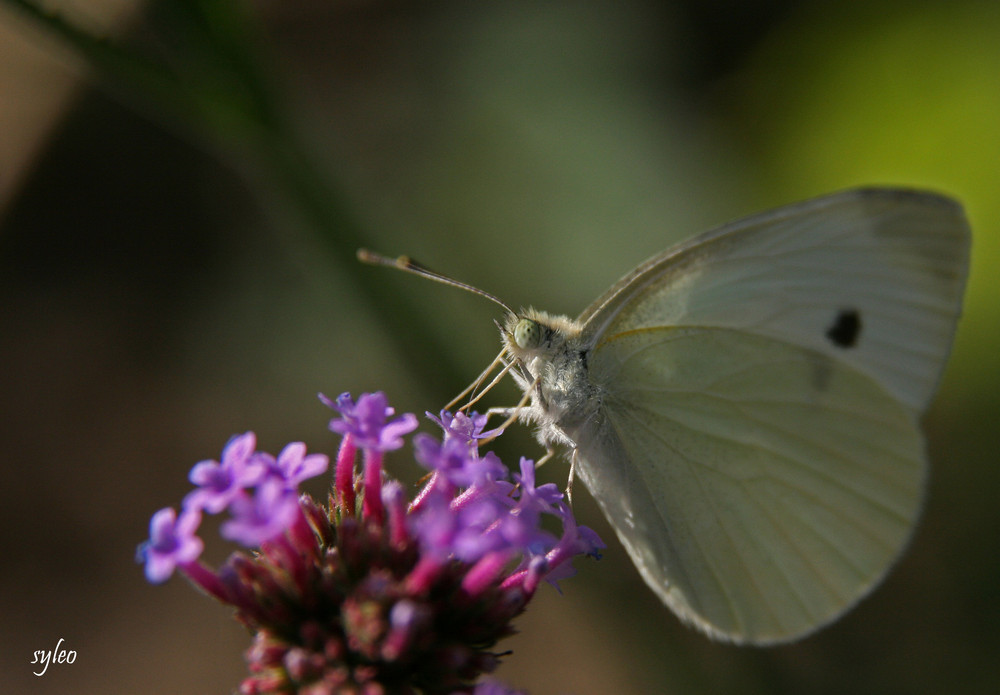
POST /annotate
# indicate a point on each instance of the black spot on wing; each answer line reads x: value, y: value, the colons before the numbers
x: 846, y: 328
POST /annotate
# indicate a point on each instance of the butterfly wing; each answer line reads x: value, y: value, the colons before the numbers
x: 757, y: 446
x: 872, y: 277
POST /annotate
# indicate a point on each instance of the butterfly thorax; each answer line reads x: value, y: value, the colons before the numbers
x: 551, y: 360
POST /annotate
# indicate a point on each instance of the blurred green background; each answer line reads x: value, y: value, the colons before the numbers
x: 176, y: 265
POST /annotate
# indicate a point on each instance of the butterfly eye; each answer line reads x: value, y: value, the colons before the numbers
x: 527, y: 334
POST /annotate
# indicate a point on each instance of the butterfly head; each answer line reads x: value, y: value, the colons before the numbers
x: 532, y: 333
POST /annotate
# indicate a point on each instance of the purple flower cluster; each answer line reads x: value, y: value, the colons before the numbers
x: 376, y: 593
x: 259, y: 492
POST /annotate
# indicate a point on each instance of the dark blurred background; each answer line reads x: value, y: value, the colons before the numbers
x: 166, y: 283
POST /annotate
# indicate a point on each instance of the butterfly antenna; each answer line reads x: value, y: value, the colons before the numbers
x: 409, y: 265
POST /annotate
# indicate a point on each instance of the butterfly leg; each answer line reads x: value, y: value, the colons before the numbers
x: 549, y: 453
x: 512, y: 414
x: 509, y: 414
x: 569, y: 482
x: 505, y: 412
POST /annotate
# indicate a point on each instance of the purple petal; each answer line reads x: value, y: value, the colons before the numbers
x: 366, y: 421
x: 392, y: 433
x: 449, y: 457
x: 435, y: 526
x: 219, y: 483
x: 262, y: 517
x: 467, y: 428
x: 538, y: 499
x: 522, y: 531
x: 171, y: 542
x: 454, y: 459
x: 296, y: 467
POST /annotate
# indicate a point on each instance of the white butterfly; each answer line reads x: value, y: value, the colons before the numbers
x: 745, y: 406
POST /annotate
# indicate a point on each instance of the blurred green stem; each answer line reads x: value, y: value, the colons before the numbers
x: 211, y: 78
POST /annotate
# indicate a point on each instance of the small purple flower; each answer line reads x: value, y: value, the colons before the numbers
x: 479, y: 530
x: 265, y: 515
x: 367, y: 421
x: 219, y: 483
x: 456, y: 461
x: 521, y: 530
x: 451, y: 458
x: 467, y: 428
x: 294, y: 467
x: 576, y: 540
x: 171, y: 542
x: 537, y: 499
x: 482, y: 524
x: 435, y: 527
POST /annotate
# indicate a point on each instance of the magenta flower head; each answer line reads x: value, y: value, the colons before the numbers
x: 387, y: 596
